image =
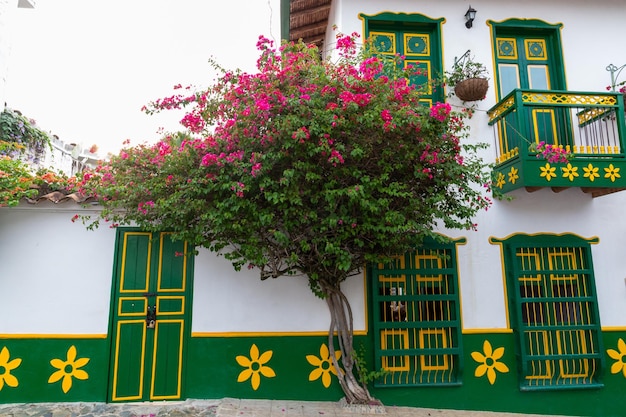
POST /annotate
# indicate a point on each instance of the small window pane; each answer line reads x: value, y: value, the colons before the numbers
x: 538, y: 77
x: 509, y: 78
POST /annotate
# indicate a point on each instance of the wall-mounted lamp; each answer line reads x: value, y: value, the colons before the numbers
x: 470, y: 15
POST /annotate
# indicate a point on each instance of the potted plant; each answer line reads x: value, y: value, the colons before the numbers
x: 468, y: 78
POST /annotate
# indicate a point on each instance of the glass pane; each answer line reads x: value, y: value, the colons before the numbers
x: 509, y: 78
x: 538, y: 77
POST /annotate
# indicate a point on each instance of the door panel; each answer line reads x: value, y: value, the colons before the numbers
x: 150, y: 317
x: 128, y: 370
x: 420, y: 46
x: 533, y: 62
x: 167, y: 360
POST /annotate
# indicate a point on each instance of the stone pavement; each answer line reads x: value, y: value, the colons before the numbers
x: 231, y: 407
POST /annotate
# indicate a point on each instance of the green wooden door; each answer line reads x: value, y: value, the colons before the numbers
x: 533, y: 61
x: 150, y: 314
x: 415, y: 37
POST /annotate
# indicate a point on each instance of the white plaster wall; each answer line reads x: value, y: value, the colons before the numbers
x: 56, y: 278
x: 589, y: 46
x: 55, y: 275
x: 226, y: 301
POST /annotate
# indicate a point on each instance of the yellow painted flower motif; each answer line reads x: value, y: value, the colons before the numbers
x: 591, y: 172
x: 548, y: 172
x: 68, y: 369
x: 513, y: 175
x: 570, y: 172
x: 619, y: 356
x: 8, y: 365
x: 489, y: 362
x: 324, y: 365
x: 500, y: 180
x: 255, y: 367
x: 612, y: 173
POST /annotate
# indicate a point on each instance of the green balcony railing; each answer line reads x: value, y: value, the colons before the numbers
x: 590, y: 126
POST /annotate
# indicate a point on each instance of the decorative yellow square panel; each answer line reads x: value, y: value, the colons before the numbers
x: 416, y: 44
x: 535, y: 49
x: 506, y: 48
x: 383, y: 42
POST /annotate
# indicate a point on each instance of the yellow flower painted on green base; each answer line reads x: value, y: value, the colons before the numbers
x: 324, y: 365
x: 489, y: 362
x: 619, y: 356
x: 570, y: 172
x: 513, y: 175
x: 612, y: 173
x: 255, y: 367
x: 500, y: 181
x: 6, y: 366
x: 67, y: 369
x: 548, y: 172
x: 591, y: 172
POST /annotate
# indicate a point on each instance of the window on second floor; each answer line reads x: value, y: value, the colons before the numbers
x: 414, y: 36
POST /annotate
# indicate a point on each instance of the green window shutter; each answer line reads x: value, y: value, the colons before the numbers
x: 554, y: 311
x: 414, y: 36
x: 416, y: 316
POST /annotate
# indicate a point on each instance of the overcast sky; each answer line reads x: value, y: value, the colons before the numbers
x: 84, y: 68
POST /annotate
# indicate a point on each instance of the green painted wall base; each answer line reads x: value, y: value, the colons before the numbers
x: 293, y: 367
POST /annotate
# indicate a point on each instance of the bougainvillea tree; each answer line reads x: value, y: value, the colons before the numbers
x: 305, y: 168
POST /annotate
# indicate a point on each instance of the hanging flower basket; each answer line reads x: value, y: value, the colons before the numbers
x: 472, y: 89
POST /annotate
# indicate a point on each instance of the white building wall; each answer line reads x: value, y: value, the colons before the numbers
x: 226, y: 301
x: 570, y: 211
x: 55, y: 275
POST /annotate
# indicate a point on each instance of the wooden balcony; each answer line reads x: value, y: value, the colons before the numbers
x: 590, y: 126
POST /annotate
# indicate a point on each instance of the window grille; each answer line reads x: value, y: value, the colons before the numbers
x: 554, y: 310
x: 416, y: 312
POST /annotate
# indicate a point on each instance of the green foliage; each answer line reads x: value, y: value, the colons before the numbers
x: 464, y: 68
x: 15, y: 181
x: 20, y: 134
x: 18, y: 181
x: 364, y: 374
x: 306, y: 167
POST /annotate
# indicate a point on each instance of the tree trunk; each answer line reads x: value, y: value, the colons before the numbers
x: 341, y: 324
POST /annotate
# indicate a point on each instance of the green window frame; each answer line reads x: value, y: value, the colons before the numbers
x: 416, y: 317
x: 553, y: 309
x: 414, y: 36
